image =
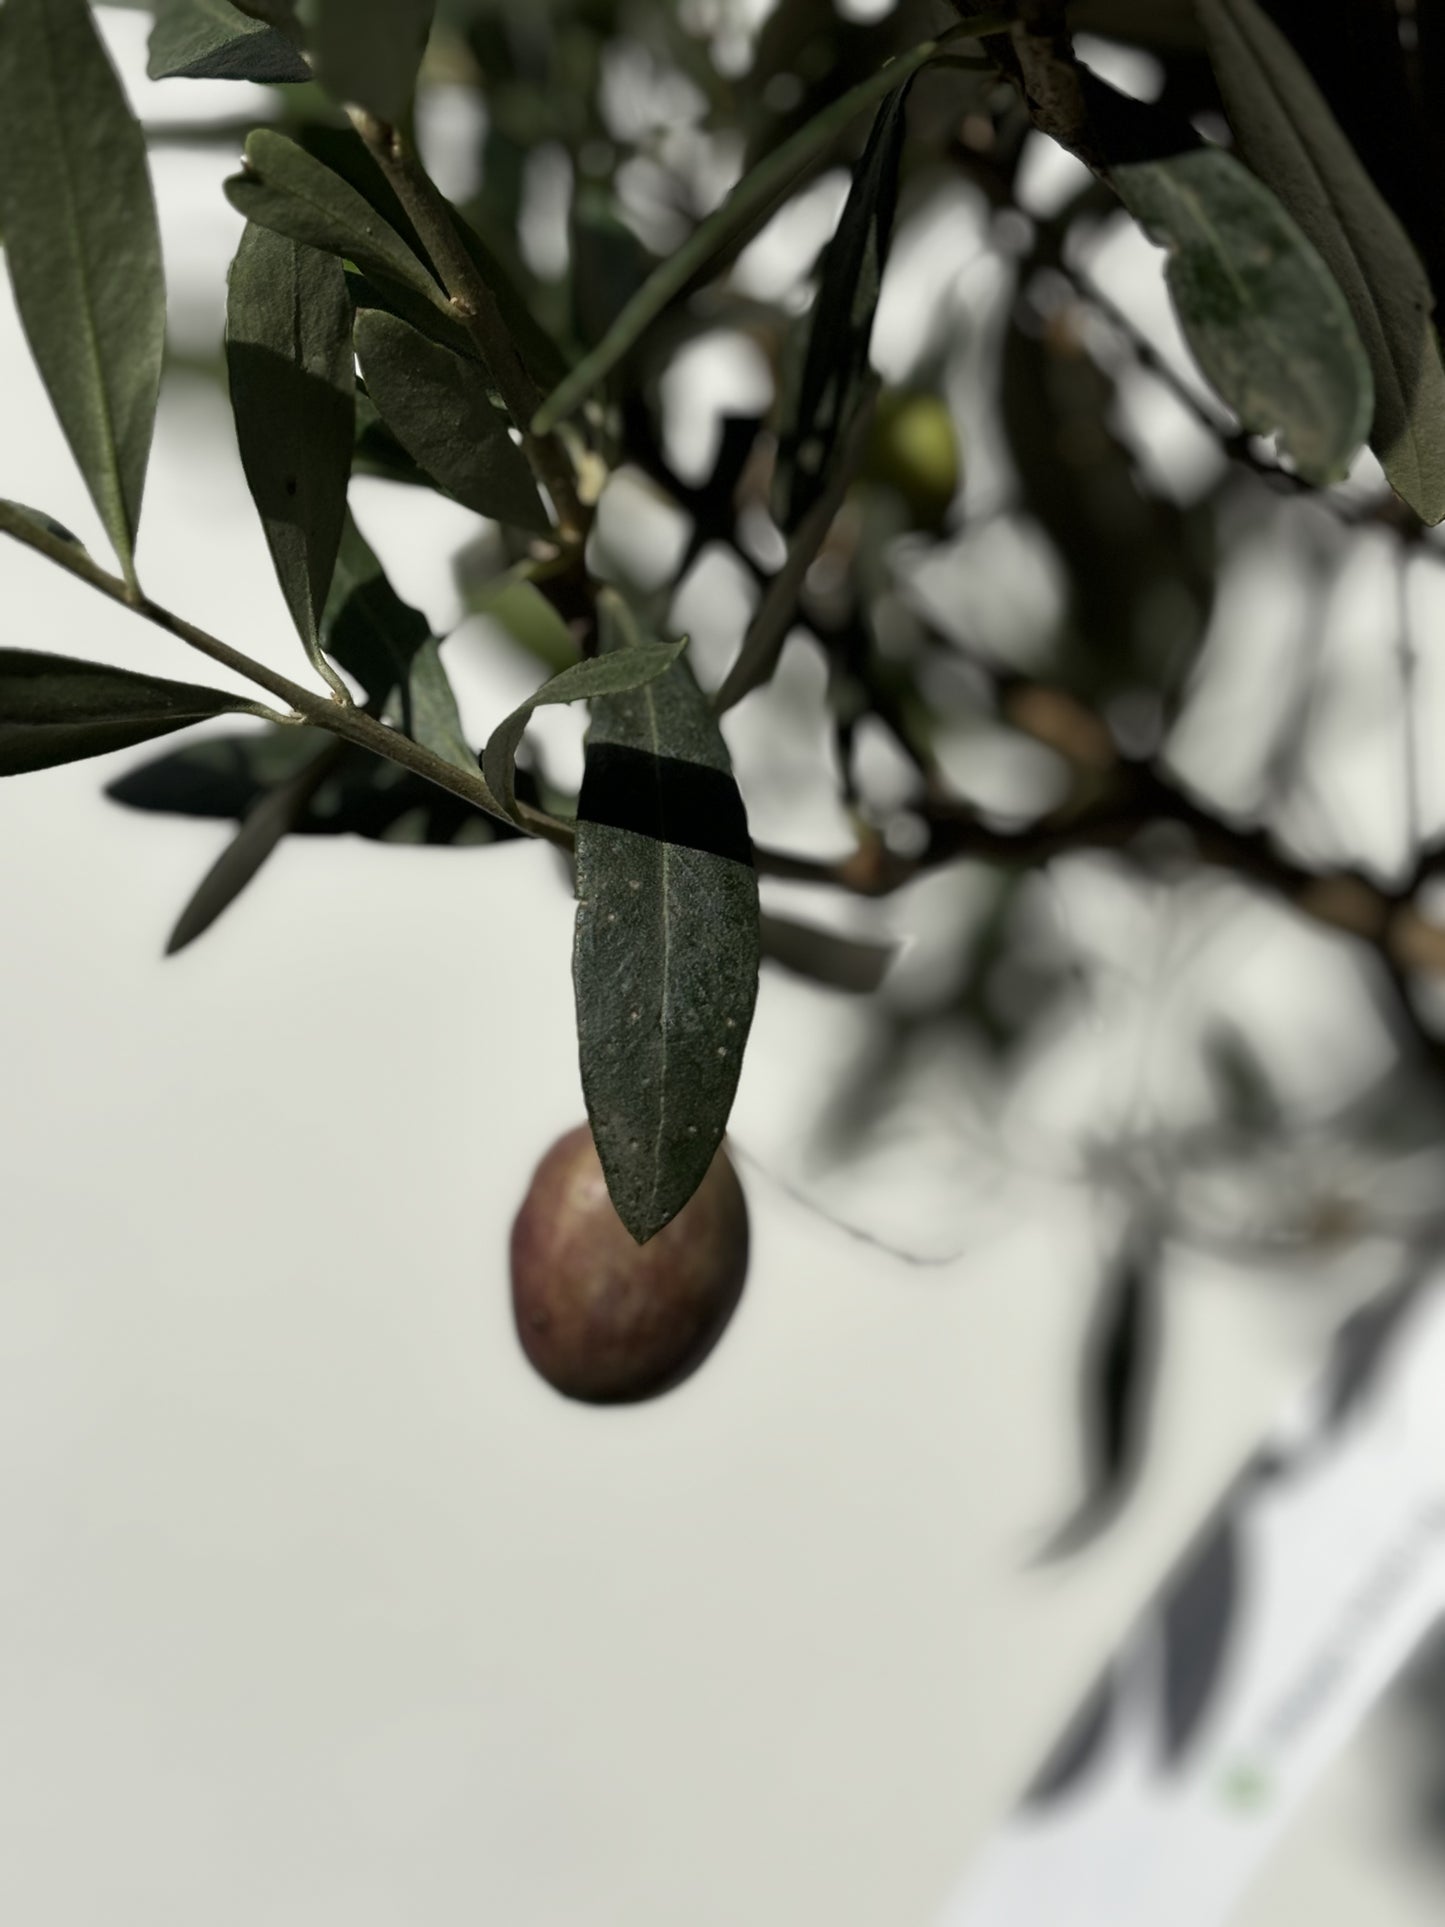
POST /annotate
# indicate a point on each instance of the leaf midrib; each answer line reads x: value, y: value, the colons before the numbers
x: 665, y: 1013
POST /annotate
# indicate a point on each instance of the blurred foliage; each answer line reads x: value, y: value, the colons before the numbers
x: 975, y: 504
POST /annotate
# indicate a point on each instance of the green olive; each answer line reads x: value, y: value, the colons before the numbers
x: 913, y: 448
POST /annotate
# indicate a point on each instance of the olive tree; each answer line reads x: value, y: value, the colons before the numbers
x: 1286, y: 162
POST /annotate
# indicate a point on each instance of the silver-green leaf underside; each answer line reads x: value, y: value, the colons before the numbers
x: 288, y: 355
x: 1289, y: 137
x: 55, y: 709
x: 1263, y: 315
x: 288, y: 190
x: 83, y: 248
x: 439, y: 407
x: 368, y: 51
x: 665, y: 963
x: 212, y: 40
x: 609, y: 675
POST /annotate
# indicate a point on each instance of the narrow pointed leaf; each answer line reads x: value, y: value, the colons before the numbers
x: 212, y: 40
x: 389, y: 647
x: 834, y: 373
x: 82, y: 246
x: 759, y: 190
x: 1262, y: 313
x: 1120, y: 1364
x: 368, y: 51
x: 291, y: 192
x: 288, y: 354
x: 762, y: 645
x: 438, y: 406
x: 1196, y: 1627
x: 609, y: 675
x: 224, y: 778
x: 852, y: 964
x: 55, y: 709
x: 1289, y: 137
x: 665, y: 962
x: 272, y: 817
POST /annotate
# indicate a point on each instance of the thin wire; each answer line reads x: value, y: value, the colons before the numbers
x: 1408, y: 661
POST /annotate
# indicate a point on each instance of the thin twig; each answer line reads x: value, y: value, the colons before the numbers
x: 476, y: 308
x: 350, y: 723
x: 776, y: 613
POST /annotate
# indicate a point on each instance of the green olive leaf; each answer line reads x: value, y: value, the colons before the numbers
x: 760, y: 190
x: 833, y: 376
x: 289, y: 359
x: 1262, y: 313
x: 83, y: 248
x: 226, y: 778
x: 852, y: 964
x: 1290, y: 139
x: 368, y: 51
x: 280, y: 14
x: 608, y: 675
x: 524, y: 615
x: 291, y: 192
x: 439, y: 407
x: 212, y: 40
x: 273, y: 815
x: 55, y: 709
x: 665, y: 960
x: 390, y: 649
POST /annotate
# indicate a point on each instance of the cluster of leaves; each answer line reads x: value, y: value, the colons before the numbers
x: 374, y: 328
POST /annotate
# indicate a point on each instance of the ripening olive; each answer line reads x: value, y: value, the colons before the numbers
x: 603, y: 1318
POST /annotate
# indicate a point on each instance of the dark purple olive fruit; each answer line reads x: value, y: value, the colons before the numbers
x: 606, y: 1319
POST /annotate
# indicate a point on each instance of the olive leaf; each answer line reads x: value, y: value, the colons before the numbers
x: 833, y: 377
x: 212, y: 40
x: 1120, y: 1364
x: 852, y: 964
x: 524, y: 615
x: 275, y: 813
x: 291, y: 192
x: 439, y: 407
x: 760, y: 189
x: 368, y: 51
x: 83, y: 248
x: 388, y: 646
x: 1292, y: 141
x: 288, y: 355
x: 1262, y: 313
x: 1081, y: 1747
x: 1197, y: 1624
x: 609, y: 675
x: 56, y: 709
x: 376, y: 450
x: 225, y: 778
x: 390, y: 649
x: 280, y: 14
x: 665, y: 961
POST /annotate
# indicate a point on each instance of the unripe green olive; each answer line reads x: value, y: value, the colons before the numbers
x: 913, y: 448
x: 603, y: 1318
